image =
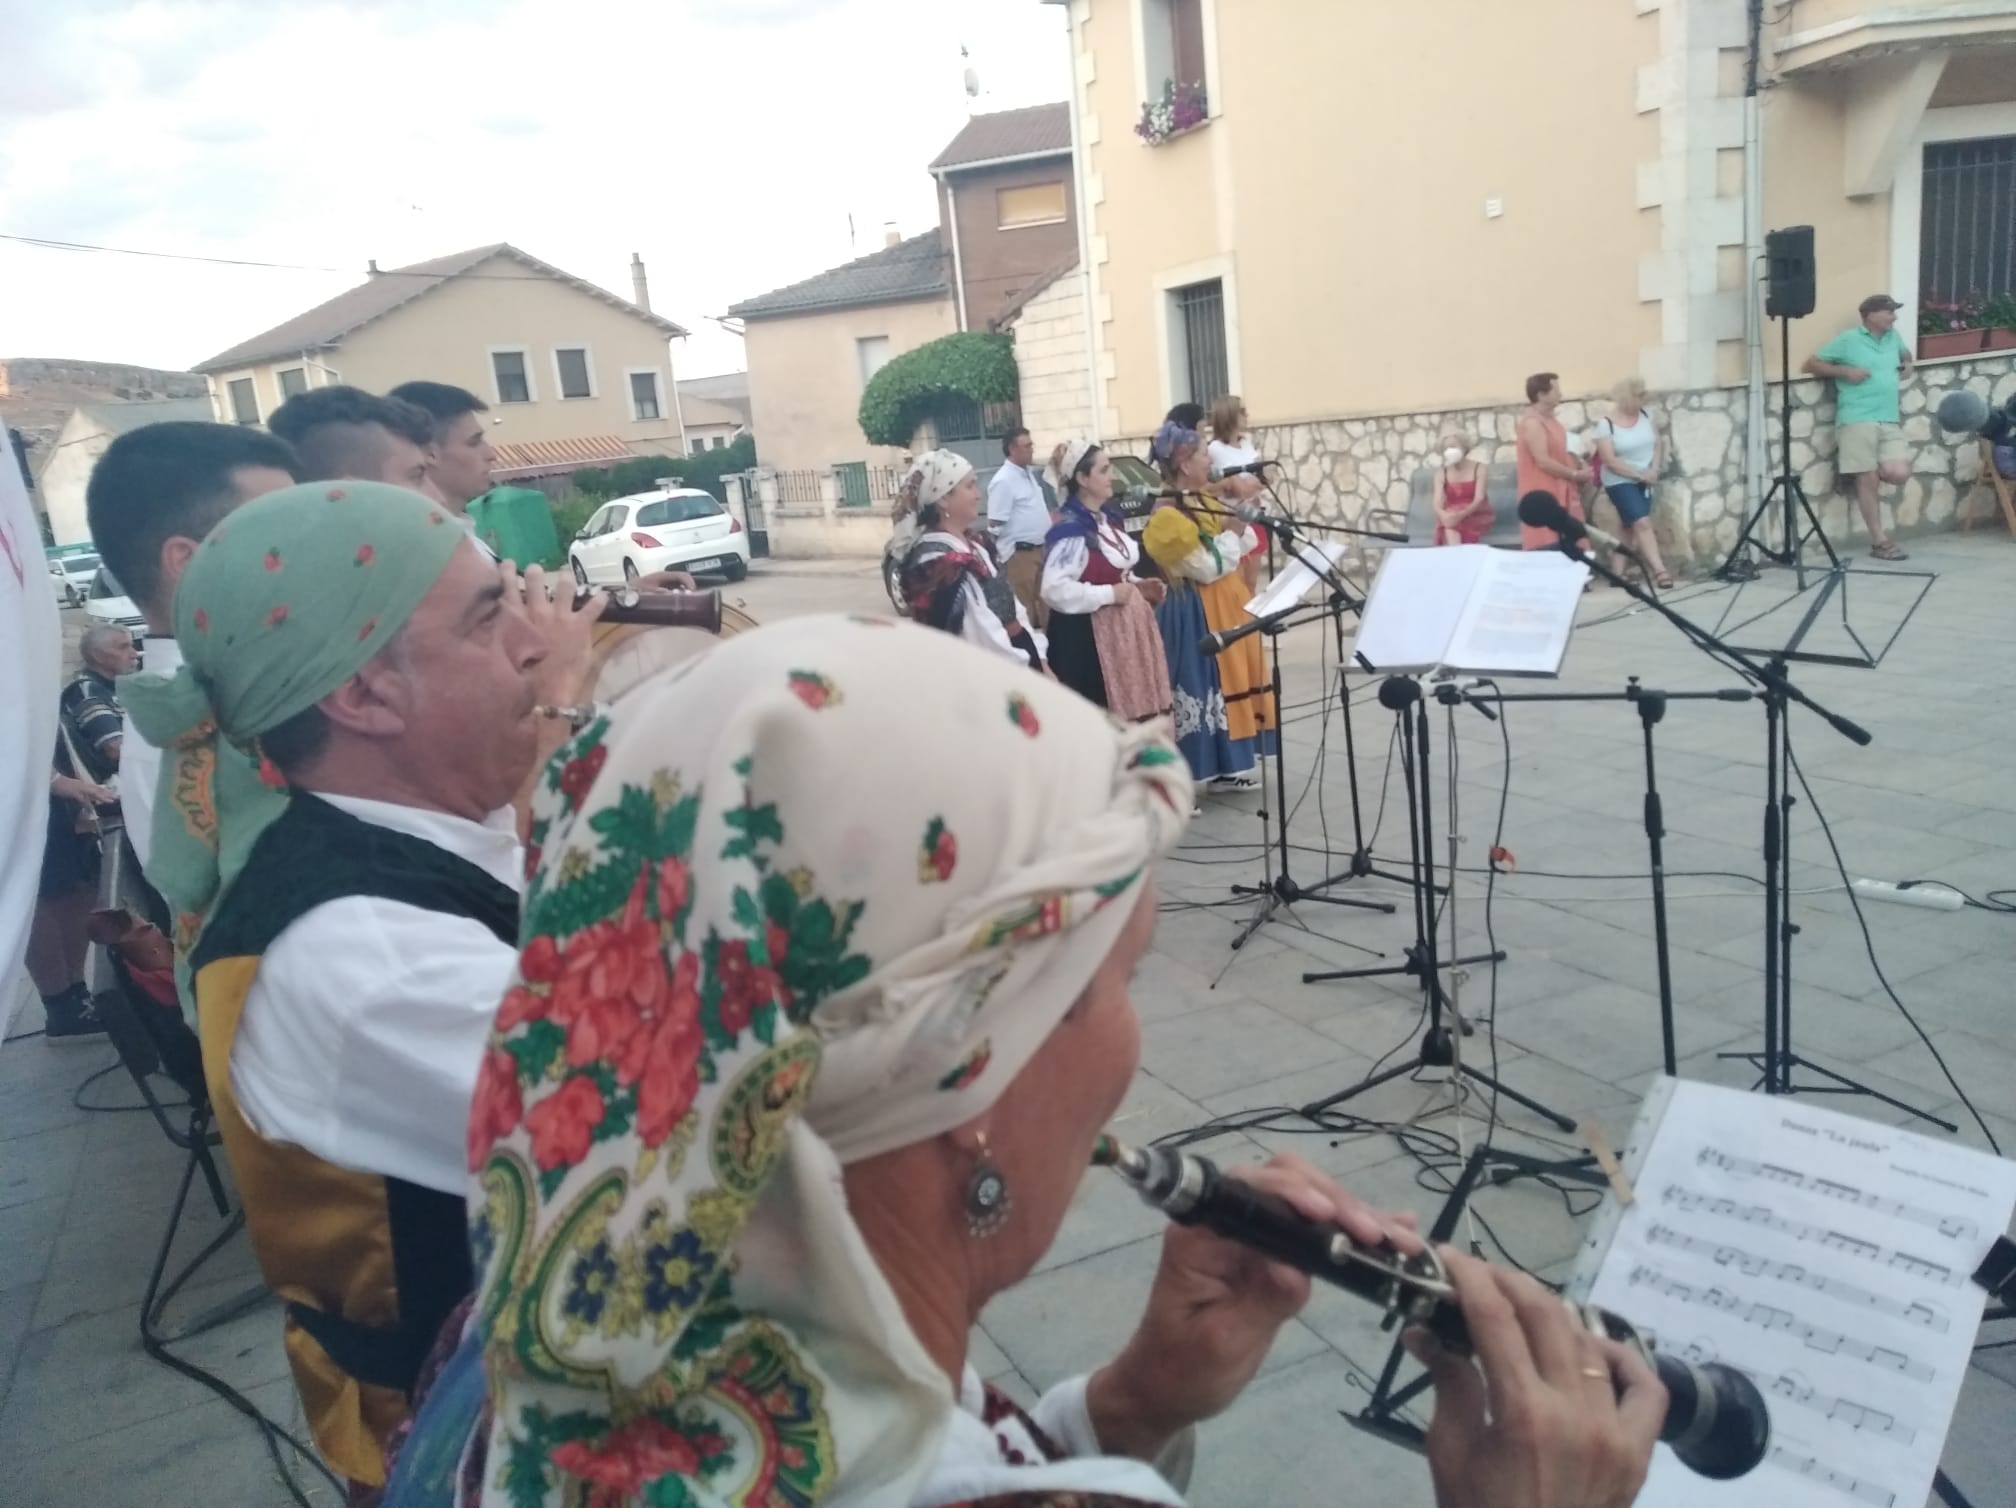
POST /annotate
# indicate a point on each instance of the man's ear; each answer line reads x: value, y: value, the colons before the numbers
x: 176, y: 551
x: 372, y: 703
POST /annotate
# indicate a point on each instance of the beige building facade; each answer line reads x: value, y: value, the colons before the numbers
x: 572, y: 372
x: 1390, y: 215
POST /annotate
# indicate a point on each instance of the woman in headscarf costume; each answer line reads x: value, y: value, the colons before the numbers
x: 951, y: 579
x: 1103, y: 640
x: 1225, y: 714
x: 779, y: 1102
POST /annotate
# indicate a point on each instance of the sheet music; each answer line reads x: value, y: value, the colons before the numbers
x: 1519, y: 616
x: 1828, y: 1257
x: 1307, y: 563
x: 1414, y: 605
x: 1471, y: 609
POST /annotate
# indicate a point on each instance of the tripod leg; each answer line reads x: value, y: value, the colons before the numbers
x: 1561, y: 1121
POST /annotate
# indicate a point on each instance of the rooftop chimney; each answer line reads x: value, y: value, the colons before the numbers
x: 640, y: 285
x: 372, y: 267
x: 891, y: 236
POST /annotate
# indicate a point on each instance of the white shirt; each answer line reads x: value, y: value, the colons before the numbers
x: 30, y: 678
x: 1016, y: 511
x: 1225, y: 455
x: 140, y: 761
x: 364, y: 1028
x: 972, y: 1462
x: 978, y: 623
x: 1064, y: 588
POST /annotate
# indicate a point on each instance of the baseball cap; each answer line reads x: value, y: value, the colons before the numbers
x: 1876, y: 301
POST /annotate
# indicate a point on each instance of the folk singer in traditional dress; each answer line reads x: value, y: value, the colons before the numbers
x: 1224, y: 704
x: 1103, y: 640
x: 773, y: 1111
x: 951, y: 578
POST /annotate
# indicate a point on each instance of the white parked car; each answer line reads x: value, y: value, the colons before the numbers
x: 72, y: 576
x: 683, y: 530
x: 107, y: 602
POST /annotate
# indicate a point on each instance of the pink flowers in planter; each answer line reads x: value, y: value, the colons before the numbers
x: 1181, y: 107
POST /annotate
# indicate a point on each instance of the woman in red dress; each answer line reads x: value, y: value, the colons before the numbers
x: 1463, y: 513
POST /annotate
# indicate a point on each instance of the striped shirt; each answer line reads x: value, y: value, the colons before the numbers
x: 91, y: 707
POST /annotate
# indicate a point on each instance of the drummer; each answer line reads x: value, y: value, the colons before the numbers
x: 374, y: 680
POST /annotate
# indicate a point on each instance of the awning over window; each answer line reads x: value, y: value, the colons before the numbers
x: 530, y: 458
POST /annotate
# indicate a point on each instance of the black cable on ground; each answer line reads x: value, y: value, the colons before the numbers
x: 270, y: 1431
x: 1869, y: 946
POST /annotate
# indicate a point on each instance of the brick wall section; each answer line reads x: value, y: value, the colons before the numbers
x: 998, y: 265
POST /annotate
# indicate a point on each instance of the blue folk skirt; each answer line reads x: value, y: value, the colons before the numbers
x: 1202, y: 732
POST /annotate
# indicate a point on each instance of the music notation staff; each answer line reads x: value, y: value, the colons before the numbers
x: 1957, y: 1226
x: 1755, y: 1266
x: 1763, y: 1216
x: 1872, y: 1493
x: 1794, y: 1389
x: 1770, y: 1317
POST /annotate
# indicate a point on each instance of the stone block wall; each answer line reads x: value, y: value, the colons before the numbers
x: 1051, y: 353
x: 1342, y: 470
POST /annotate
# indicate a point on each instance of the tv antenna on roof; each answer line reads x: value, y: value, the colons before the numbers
x: 972, y: 77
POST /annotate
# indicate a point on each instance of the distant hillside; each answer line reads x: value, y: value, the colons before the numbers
x: 38, y: 392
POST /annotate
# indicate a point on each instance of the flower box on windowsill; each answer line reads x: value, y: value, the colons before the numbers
x: 1965, y: 343
x: 1179, y: 110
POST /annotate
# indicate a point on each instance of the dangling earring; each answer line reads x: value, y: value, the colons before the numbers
x: 987, y: 1197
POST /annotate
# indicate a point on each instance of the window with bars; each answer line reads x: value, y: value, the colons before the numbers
x: 1967, y: 230
x: 1197, y: 313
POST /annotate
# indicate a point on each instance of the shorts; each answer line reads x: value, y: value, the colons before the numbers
x: 1864, y: 447
x: 69, y: 858
x: 1633, y: 501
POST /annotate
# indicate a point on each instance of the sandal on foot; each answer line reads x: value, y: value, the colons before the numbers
x: 1664, y: 581
x: 1888, y: 550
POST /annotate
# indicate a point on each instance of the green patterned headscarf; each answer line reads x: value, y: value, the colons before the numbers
x: 284, y: 601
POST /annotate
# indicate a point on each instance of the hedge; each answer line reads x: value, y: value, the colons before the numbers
x: 970, y: 364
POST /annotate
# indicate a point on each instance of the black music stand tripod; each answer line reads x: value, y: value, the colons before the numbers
x: 1403, y: 696
x: 1278, y: 889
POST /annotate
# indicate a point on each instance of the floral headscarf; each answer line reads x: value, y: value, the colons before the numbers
x: 749, y: 959
x: 930, y: 477
x: 282, y: 603
x: 1170, y: 441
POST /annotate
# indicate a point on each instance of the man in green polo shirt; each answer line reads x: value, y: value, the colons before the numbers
x: 1867, y: 363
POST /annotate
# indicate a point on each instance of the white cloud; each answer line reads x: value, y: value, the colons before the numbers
x: 728, y: 142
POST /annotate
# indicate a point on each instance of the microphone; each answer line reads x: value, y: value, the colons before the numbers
x: 1251, y: 468
x: 1716, y: 1420
x: 1253, y: 511
x: 1223, y: 639
x: 1543, y: 510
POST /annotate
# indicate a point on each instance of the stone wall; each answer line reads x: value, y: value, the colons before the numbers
x: 1341, y: 470
x: 1051, y: 350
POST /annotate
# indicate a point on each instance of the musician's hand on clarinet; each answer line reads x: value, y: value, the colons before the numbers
x: 666, y: 581
x: 568, y: 631
x: 1572, y: 1417
x: 1215, y: 1309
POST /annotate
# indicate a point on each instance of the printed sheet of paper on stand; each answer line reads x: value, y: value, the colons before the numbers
x: 1471, y: 610
x: 1308, y: 563
x: 1830, y: 1258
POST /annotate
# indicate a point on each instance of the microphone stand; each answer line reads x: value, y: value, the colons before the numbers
x: 1279, y: 889
x: 1777, y: 1061
x: 1651, y: 707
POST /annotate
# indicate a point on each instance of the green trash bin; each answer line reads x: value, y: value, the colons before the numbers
x: 516, y: 522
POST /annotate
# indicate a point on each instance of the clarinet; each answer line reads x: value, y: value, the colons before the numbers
x: 1716, y: 1420
x: 628, y: 606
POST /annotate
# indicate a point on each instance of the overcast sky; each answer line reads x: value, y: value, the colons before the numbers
x: 728, y: 141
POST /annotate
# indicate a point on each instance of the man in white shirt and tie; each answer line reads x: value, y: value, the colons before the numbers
x: 152, y: 497
x: 1019, y: 517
